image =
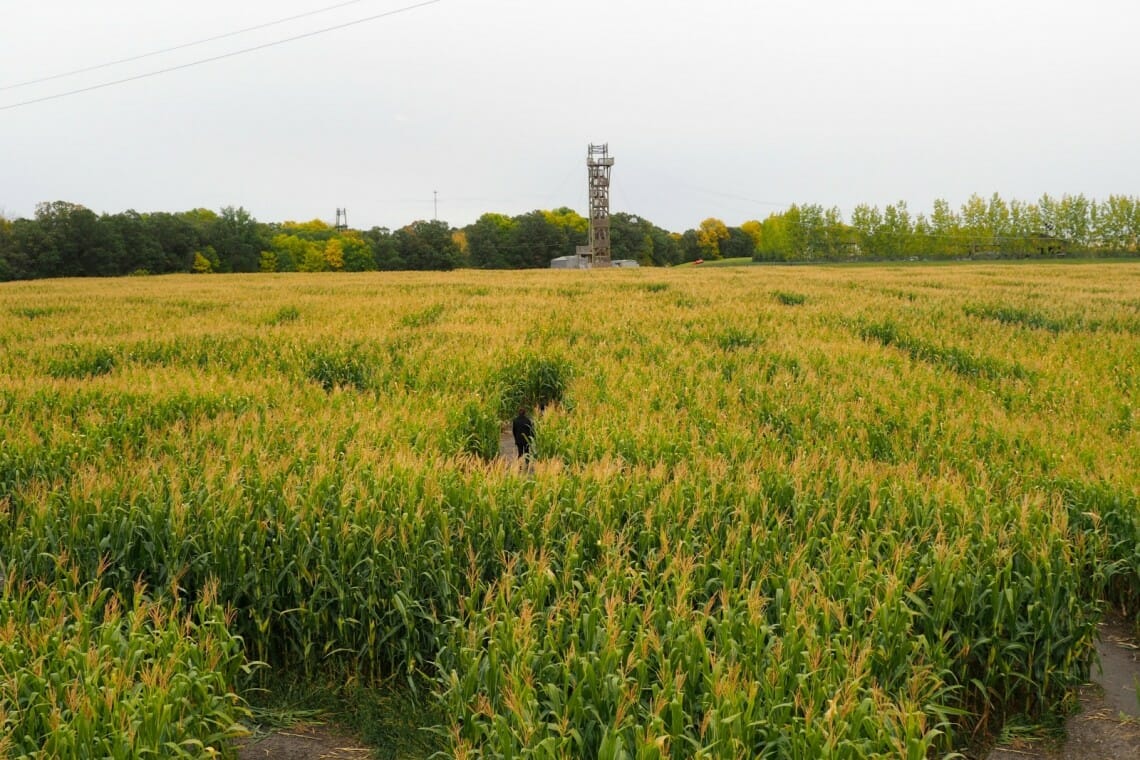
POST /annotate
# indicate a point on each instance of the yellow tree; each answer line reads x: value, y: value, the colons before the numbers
x: 313, y: 229
x: 334, y: 255
x: 202, y: 264
x: 568, y: 219
x: 459, y: 237
x: 709, y: 237
x: 752, y: 228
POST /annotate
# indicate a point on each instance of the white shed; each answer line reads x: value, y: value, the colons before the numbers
x: 570, y: 262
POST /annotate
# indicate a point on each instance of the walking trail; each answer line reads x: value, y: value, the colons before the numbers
x: 304, y: 743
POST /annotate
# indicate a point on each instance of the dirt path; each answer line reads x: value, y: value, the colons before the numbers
x: 507, y: 451
x: 1108, y: 724
x: 304, y: 743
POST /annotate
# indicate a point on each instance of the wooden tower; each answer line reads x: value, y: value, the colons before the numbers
x: 598, y: 165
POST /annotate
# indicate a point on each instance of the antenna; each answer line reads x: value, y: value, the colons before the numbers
x: 342, y: 219
x: 599, y: 163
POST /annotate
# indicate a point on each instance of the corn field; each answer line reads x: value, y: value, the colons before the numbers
x: 790, y: 512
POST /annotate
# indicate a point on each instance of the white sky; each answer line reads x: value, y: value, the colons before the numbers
x: 726, y: 108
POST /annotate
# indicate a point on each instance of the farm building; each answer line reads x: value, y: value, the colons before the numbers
x: 575, y: 261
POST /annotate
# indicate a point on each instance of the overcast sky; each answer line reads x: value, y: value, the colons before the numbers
x: 725, y: 108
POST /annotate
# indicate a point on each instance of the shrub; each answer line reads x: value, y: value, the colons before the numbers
x: 345, y: 368
x: 531, y: 381
x: 789, y: 299
x: 285, y: 314
x: 80, y: 362
x: 423, y: 317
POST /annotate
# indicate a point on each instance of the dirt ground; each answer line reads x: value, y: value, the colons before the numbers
x: 1108, y: 724
x: 507, y: 450
x: 304, y: 743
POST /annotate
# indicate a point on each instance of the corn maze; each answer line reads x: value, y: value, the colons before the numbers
x: 787, y: 512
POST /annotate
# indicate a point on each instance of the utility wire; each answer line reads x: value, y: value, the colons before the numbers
x: 673, y: 181
x: 183, y: 46
x: 734, y: 196
x: 220, y: 57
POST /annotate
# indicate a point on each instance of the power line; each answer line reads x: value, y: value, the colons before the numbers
x: 183, y: 46
x: 731, y: 196
x: 220, y: 57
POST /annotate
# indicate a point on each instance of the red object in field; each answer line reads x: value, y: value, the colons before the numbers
x: 699, y: 261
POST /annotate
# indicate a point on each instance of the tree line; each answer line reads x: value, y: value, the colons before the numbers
x: 1071, y: 225
x: 68, y: 240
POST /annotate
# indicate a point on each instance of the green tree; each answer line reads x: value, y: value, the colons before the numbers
x: 687, y: 243
x: 427, y: 245
x: 999, y: 225
x: 738, y: 245
x: 632, y: 237
x: 1023, y: 229
x: 7, y: 249
x: 820, y: 234
x: 975, y: 225
x: 384, y: 250
x: 237, y: 238
x: 1117, y: 223
x: 870, y: 234
x: 177, y: 237
x: 898, y: 231
x: 80, y: 245
x: 489, y: 241
x: 33, y: 253
x: 140, y: 250
x: 295, y: 254
x: 946, y: 227
x: 924, y: 244
x: 357, y: 253
x: 1075, y: 221
x: 536, y: 238
x: 1049, y: 212
x: 666, y: 247
x: 777, y: 239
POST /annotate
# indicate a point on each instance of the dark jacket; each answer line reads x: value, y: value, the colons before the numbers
x: 523, y: 430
